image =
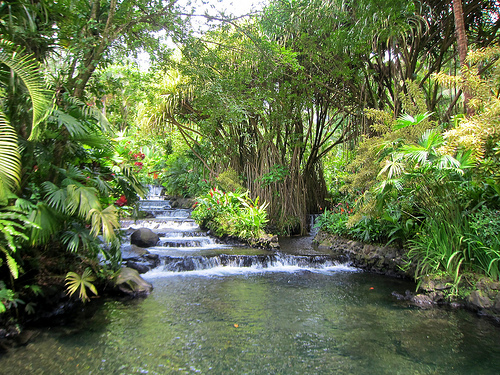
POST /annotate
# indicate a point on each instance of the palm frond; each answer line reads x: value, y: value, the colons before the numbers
x: 105, y: 220
x: 11, y: 263
x: 28, y: 70
x: 75, y: 282
x: 103, y: 186
x: 10, y: 159
x: 394, y: 166
x: 74, y: 175
x: 78, y: 238
x: 449, y: 162
x: 74, y: 127
x: 416, y: 153
x: 55, y: 196
x: 88, y: 112
x: 48, y: 222
x: 81, y: 200
x: 406, y: 120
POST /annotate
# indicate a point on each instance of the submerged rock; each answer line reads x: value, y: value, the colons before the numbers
x: 131, y: 283
x: 144, y: 237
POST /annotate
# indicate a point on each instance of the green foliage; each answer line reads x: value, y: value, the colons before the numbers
x: 229, y: 181
x: 13, y: 224
x: 278, y: 173
x: 440, y: 248
x: 80, y: 283
x: 334, y: 221
x: 479, y: 133
x: 8, y: 298
x: 456, y: 245
x: 486, y: 225
x: 230, y: 213
x: 28, y: 70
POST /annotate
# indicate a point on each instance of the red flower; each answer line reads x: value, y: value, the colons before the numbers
x: 122, y: 201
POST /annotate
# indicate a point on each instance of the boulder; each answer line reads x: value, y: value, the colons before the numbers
x: 138, y: 266
x: 144, y: 237
x: 131, y: 283
x: 478, y: 301
x: 133, y: 252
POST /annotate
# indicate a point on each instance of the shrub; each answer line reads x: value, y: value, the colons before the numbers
x: 232, y: 213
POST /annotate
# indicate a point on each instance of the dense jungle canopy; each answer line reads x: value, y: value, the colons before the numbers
x: 381, y: 113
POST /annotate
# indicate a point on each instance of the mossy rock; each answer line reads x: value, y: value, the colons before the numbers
x: 131, y: 283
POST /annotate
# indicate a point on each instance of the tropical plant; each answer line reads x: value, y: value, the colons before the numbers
x: 231, y: 213
x: 8, y: 298
x: 80, y: 283
x: 28, y: 71
x: 13, y: 224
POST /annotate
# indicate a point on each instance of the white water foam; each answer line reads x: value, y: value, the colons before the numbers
x: 159, y: 272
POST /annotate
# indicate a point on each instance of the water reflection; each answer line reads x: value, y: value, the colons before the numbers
x: 268, y: 323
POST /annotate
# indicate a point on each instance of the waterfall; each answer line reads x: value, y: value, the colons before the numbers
x: 183, y: 247
x: 155, y: 192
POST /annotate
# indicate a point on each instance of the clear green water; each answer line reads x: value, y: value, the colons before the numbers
x: 297, y: 322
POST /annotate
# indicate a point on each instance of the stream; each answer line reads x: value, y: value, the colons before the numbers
x: 219, y: 309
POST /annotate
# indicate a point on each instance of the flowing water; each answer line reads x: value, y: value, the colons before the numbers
x: 245, y: 311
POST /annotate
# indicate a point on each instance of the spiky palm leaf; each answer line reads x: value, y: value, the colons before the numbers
x: 28, y: 70
x: 105, y: 220
x: 75, y: 282
x: 55, y: 196
x: 394, y: 166
x: 48, y: 221
x: 10, y: 159
x: 80, y: 111
x: 81, y: 200
x: 79, y: 238
x: 406, y: 120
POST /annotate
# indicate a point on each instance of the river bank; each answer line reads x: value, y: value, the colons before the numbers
x: 476, y: 293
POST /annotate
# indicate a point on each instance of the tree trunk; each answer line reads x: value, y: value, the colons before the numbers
x: 462, y: 47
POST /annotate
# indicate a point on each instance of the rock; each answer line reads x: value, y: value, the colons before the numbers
x: 478, y: 301
x: 422, y: 300
x: 131, y: 283
x: 144, y: 237
x: 434, y: 284
x: 133, y: 252
x: 25, y: 337
x: 497, y: 303
x: 139, y: 267
x: 152, y: 256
